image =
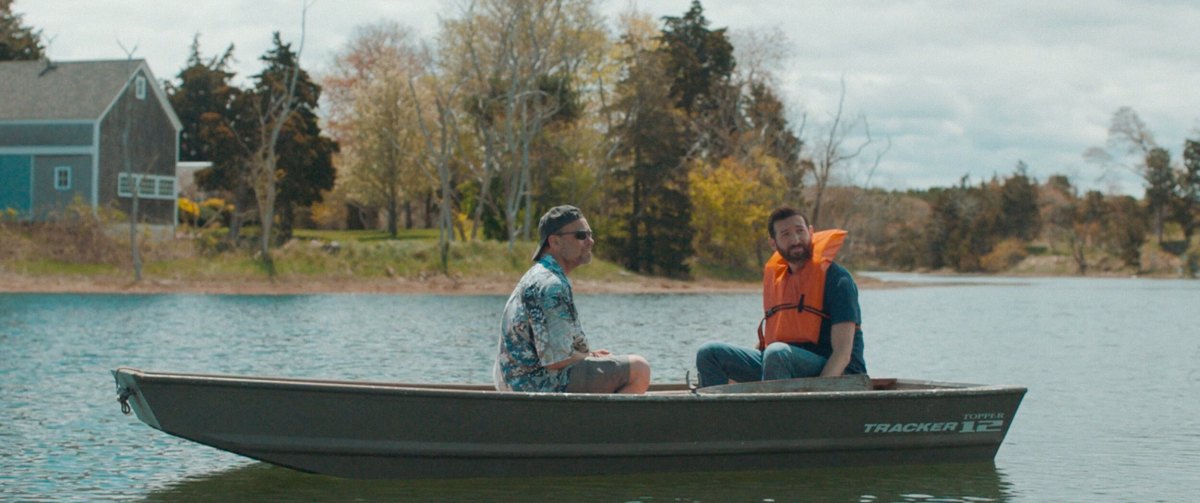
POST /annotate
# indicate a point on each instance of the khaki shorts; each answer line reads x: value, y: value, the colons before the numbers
x: 598, y: 374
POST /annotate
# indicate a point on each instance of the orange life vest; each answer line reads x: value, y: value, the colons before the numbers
x: 793, y: 300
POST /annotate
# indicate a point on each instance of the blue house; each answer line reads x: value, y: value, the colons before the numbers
x: 89, y: 131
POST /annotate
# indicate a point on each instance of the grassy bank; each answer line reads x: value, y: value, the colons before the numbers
x: 84, y: 255
x: 320, y: 260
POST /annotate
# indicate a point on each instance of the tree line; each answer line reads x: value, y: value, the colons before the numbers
x: 668, y: 144
x: 675, y: 143
x: 993, y: 225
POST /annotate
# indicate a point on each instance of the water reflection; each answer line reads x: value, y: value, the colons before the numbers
x: 980, y: 482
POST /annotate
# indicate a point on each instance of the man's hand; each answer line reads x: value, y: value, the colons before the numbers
x: 841, y: 337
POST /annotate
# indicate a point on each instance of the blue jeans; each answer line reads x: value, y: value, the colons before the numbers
x: 718, y: 362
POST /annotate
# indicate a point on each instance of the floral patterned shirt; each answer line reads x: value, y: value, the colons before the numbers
x: 540, y: 327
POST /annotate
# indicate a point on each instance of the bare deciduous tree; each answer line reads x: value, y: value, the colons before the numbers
x: 1127, y: 136
x: 274, y: 108
x: 135, y: 178
x: 1130, y: 137
x: 831, y: 153
x: 509, y: 49
x: 440, y: 136
x: 372, y: 117
x: 135, y: 183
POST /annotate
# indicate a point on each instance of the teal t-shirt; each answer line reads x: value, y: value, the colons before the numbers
x: 841, y: 302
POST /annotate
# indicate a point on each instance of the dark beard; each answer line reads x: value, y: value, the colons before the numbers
x: 801, y: 253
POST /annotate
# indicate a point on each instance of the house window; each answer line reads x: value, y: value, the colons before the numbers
x: 124, y: 185
x: 139, y: 87
x: 148, y: 186
x: 166, y: 187
x: 62, y: 178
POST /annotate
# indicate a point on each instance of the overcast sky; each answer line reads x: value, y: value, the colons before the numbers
x: 959, y: 87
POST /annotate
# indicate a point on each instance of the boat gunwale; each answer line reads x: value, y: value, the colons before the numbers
x: 921, y: 388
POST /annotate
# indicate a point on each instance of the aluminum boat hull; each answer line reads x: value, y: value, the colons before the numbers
x: 407, y: 431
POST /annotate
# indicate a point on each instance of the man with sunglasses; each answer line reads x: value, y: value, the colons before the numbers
x: 542, y: 345
x: 812, y: 323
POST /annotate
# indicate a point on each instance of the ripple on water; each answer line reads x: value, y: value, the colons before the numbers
x: 1106, y: 394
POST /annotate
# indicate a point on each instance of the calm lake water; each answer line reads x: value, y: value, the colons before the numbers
x: 1112, y: 367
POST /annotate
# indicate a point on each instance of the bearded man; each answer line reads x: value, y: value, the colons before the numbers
x: 812, y: 324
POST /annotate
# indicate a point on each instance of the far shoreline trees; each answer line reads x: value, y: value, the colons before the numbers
x: 674, y: 147
x: 675, y: 152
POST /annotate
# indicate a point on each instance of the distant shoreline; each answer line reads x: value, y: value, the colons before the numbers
x: 435, y: 285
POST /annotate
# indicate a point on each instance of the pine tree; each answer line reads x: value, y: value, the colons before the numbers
x: 1187, y: 200
x: 17, y: 41
x: 1160, y: 184
x: 701, y: 62
x: 305, y: 155
x: 1019, y: 205
x: 653, y: 234
x: 700, y: 59
x: 201, y: 100
x: 1125, y: 230
x: 671, y: 97
x: 204, y: 99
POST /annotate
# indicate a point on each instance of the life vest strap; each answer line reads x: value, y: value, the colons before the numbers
x: 799, y: 306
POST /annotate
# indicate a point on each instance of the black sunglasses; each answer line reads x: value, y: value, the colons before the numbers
x: 580, y: 235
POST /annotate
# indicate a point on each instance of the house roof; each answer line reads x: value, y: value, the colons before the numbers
x: 68, y: 90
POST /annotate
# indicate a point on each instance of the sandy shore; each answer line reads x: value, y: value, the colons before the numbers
x: 441, y: 285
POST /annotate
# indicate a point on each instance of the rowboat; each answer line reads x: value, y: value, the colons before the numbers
x: 419, y: 431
